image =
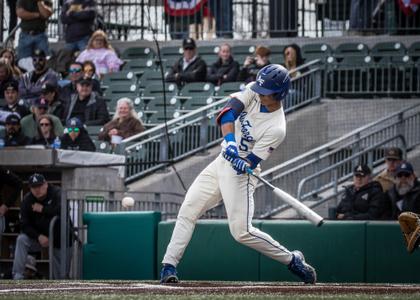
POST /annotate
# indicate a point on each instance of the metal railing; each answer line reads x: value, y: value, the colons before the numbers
x: 197, y: 131
x: 139, y: 19
x: 327, y: 166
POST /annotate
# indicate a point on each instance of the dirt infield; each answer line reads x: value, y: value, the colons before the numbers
x: 8, y: 288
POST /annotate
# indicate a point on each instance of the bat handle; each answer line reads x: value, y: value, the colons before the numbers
x: 249, y: 171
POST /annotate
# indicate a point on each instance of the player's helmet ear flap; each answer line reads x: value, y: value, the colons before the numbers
x: 272, y: 79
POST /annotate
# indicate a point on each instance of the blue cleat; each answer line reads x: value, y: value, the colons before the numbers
x: 301, y: 269
x: 168, y: 274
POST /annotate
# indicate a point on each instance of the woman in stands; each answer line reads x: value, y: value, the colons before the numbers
x: 9, y: 56
x: 76, y: 137
x: 225, y: 69
x: 101, y: 53
x: 253, y: 64
x: 292, y: 59
x: 6, y: 75
x: 124, y: 124
x: 46, y: 135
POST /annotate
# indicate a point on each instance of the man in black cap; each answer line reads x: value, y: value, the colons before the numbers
x: 38, y: 207
x: 364, y: 199
x: 30, y: 84
x: 34, y: 17
x: 50, y: 92
x: 14, y: 134
x: 11, y: 96
x: 405, y: 194
x: 30, y: 122
x: 86, y: 105
x: 76, y: 137
x: 190, y: 67
x: 393, y: 158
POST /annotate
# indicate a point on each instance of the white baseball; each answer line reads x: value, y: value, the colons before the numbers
x: 127, y: 202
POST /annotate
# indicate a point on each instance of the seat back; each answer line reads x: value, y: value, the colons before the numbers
x: 316, y: 51
x: 138, y: 52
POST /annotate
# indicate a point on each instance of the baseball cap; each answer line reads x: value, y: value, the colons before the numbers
x: 49, y: 86
x: 36, y: 179
x: 404, y: 168
x: 13, y: 84
x: 41, y: 103
x: 12, y: 119
x: 39, y: 53
x: 85, y: 80
x: 188, y: 43
x: 361, y: 170
x: 393, y: 153
x: 74, y: 123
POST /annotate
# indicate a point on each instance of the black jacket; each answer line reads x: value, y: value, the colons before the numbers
x: 70, y: 88
x: 78, y: 24
x: 248, y: 74
x: 410, y: 201
x: 368, y: 203
x: 16, y: 140
x: 196, y: 71
x: 218, y: 69
x: 43, y: 141
x: 34, y: 223
x: 82, y: 143
x: 13, y: 186
x: 96, y: 112
x: 19, y: 108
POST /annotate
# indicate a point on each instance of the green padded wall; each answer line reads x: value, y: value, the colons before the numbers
x: 389, y: 260
x: 336, y: 249
x: 120, y: 245
x: 212, y: 254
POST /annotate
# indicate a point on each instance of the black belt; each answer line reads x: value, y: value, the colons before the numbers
x: 33, y: 32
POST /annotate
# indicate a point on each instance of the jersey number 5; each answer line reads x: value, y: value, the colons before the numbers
x: 243, y: 146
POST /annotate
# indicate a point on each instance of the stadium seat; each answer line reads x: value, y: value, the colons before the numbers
x: 139, y: 65
x: 138, y: 52
x: 277, y: 49
x: 383, y: 52
x: 102, y: 146
x: 117, y: 91
x: 414, y: 51
x: 195, y: 95
x: 149, y: 77
x: 209, y: 54
x: 154, y: 93
x: 316, y: 51
x: 227, y: 88
x: 126, y: 77
x: 351, y: 49
x: 241, y: 52
x: 94, y: 131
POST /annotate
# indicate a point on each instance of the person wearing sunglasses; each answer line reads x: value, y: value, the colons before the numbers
x: 76, y: 137
x: 30, y: 122
x: 405, y: 194
x: 364, y: 199
x: 30, y: 84
x: 190, y: 67
x: 393, y: 158
x: 46, y: 135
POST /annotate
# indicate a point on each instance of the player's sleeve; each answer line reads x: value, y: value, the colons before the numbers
x: 270, y: 141
x: 237, y: 103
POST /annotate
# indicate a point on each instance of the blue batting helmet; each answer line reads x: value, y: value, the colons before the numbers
x: 272, y: 79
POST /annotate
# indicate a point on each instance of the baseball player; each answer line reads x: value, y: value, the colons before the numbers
x: 253, y: 125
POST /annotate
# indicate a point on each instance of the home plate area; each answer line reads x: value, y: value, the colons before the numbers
x: 197, y: 287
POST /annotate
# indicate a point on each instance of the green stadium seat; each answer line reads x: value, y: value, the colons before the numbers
x: 102, y: 146
x: 351, y: 49
x: 277, y: 49
x: 227, y: 88
x: 209, y: 54
x: 277, y: 59
x: 126, y: 77
x: 118, y: 91
x: 138, y: 52
x: 240, y: 53
x: 139, y: 65
x: 316, y: 51
x: 382, y: 52
x: 154, y: 93
x: 93, y: 130
x: 195, y: 95
x: 149, y: 77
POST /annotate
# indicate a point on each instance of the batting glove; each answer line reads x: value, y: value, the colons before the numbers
x: 231, y: 152
x: 240, y: 165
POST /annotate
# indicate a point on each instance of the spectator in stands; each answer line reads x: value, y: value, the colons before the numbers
x: 253, y: 64
x: 34, y: 16
x: 31, y: 83
x: 124, y: 124
x: 100, y: 51
x: 39, y: 206
x: 78, y: 16
x: 14, y: 134
x: 76, y: 137
x: 30, y: 122
x: 6, y: 75
x: 89, y: 71
x: 190, y: 67
x: 9, y: 56
x: 86, y: 105
x: 11, y: 96
x: 364, y: 199
x: 225, y: 69
x: 405, y: 193
x: 393, y: 158
x: 293, y: 58
x: 55, y: 105
x: 46, y: 135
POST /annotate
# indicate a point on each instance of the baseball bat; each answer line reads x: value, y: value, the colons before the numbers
x: 301, y: 208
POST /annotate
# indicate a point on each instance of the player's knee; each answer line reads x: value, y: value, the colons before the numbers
x: 240, y: 235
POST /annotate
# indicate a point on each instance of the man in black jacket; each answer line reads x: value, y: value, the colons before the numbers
x: 190, y: 67
x: 11, y: 96
x: 225, y: 69
x: 405, y: 194
x: 39, y: 206
x: 86, y: 105
x: 14, y: 134
x: 364, y: 199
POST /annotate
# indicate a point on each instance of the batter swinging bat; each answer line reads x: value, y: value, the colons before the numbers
x: 302, y: 209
